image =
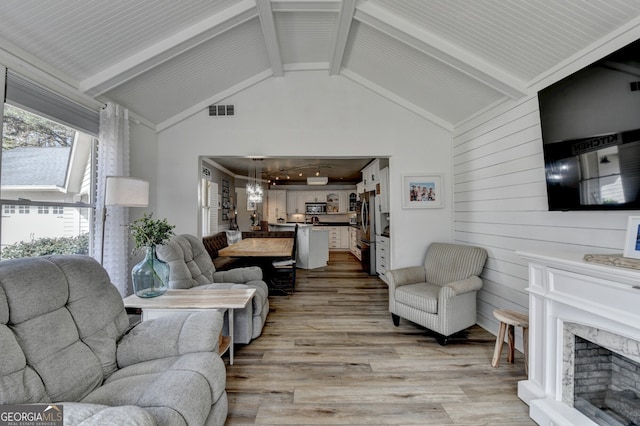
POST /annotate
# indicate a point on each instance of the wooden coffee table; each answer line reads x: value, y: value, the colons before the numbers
x: 175, y: 301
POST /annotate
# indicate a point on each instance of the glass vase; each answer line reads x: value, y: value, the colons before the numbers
x: 151, y: 276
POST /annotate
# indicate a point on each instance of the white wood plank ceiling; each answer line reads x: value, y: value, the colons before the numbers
x: 444, y: 60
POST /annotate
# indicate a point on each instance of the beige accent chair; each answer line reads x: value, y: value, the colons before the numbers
x: 441, y: 294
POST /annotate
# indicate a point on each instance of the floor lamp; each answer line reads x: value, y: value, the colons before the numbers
x: 123, y: 191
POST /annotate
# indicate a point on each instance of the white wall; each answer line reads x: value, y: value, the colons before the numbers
x: 500, y: 204
x: 311, y: 114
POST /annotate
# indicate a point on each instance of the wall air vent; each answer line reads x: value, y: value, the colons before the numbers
x: 222, y: 110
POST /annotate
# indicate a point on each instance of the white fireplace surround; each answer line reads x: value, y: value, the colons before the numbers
x: 563, y: 288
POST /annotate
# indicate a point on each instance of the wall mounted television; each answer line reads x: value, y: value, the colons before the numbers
x: 591, y: 135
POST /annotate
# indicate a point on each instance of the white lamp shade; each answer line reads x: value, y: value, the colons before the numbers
x: 126, y: 191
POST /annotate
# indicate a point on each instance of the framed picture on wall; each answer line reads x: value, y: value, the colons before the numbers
x: 251, y: 205
x: 422, y: 190
x: 632, y: 243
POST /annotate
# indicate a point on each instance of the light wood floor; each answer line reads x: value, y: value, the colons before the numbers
x: 329, y: 354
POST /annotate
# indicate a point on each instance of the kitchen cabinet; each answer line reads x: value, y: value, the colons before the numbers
x: 352, y: 198
x: 371, y: 175
x: 295, y: 202
x: 316, y: 196
x: 338, y: 236
x: 277, y: 205
x: 383, y: 194
x: 333, y: 202
x: 353, y: 242
x: 382, y: 255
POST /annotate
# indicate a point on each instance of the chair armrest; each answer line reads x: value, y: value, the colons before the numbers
x: 238, y: 275
x: 403, y: 276
x: 85, y: 414
x: 173, y: 335
x: 456, y: 288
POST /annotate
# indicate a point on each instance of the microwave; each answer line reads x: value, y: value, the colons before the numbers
x: 315, y: 208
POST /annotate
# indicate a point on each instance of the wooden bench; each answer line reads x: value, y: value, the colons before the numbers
x: 508, y: 321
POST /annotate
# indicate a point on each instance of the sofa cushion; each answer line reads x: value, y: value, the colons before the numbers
x: 422, y: 296
x: 177, y: 390
x: 37, y: 292
x: 189, y: 262
x: 80, y: 414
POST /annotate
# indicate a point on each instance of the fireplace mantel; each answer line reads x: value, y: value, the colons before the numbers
x: 565, y: 288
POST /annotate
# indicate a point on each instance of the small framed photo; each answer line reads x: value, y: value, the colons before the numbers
x: 251, y: 205
x: 422, y: 191
x: 632, y: 243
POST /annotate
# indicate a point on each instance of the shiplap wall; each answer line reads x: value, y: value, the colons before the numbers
x: 500, y: 204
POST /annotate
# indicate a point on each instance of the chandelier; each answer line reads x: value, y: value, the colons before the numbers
x: 254, y: 189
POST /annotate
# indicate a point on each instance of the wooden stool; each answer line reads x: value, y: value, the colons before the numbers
x: 508, y: 321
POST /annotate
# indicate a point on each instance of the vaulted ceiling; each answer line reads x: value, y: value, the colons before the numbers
x: 166, y: 60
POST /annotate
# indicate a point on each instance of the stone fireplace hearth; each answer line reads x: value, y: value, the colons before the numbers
x: 584, y: 331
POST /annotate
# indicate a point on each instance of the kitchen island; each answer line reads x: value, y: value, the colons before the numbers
x: 312, y: 244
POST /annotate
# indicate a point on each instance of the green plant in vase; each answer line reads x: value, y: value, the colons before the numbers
x: 151, y: 275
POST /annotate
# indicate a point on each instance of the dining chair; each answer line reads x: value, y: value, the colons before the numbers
x: 284, y: 270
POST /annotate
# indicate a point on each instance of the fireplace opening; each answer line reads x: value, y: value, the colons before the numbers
x: 606, y: 385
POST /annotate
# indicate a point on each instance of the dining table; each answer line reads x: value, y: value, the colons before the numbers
x: 266, y: 248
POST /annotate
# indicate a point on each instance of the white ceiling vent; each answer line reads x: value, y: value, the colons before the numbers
x: 222, y: 110
x: 322, y: 180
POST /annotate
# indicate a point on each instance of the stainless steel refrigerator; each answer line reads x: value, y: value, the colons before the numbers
x: 367, y: 231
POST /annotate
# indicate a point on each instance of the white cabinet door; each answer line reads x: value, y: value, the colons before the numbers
x: 295, y: 202
x: 344, y: 201
x: 316, y: 196
x: 384, y: 190
x: 371, y: 175
x: 277, y: 205
x: 353, y: 201
x: 382, y: 255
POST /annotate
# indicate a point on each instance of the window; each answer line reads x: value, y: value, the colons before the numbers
x: 48, y: 168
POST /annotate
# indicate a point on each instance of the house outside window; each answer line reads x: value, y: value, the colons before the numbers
x: 48, y: 167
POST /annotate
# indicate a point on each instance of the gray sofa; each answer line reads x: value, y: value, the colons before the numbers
x: 190, y: 266
x: 65, y: 339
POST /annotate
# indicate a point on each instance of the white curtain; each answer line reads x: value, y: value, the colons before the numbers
x: 113, y: 160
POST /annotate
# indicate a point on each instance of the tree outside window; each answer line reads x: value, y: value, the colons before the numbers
x: 49, y: 167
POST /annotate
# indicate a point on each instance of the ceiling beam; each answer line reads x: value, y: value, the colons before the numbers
x: 440, y: 49
x: 270, y: 36
x: 168, y: 48
x: 341, y: 35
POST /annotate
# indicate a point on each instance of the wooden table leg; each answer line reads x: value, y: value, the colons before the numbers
x: 512, y: 343
x: 499, y: 343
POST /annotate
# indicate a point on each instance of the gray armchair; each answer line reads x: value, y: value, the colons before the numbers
x: 65, y: 339
x: 190, y: 266
x: 441, y: 294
